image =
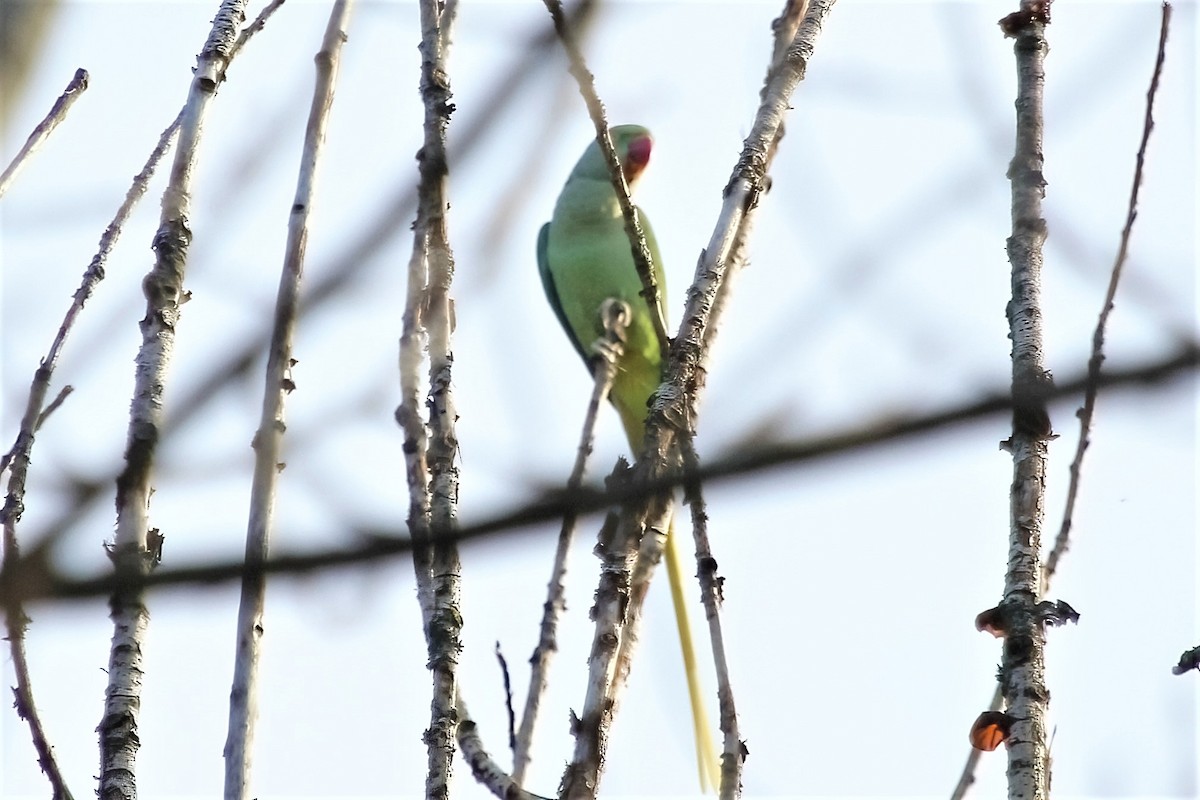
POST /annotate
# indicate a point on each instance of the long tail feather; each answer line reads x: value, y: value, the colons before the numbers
x: 706, y: 753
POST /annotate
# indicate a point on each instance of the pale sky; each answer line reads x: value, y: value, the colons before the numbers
x: 877, y: 287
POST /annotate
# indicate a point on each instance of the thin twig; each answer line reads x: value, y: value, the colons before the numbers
x: 58, y: 112
x: 711, y: 586
x: 712, y: 595
x: 134, y: 551
x: 967, y: 776
x: 604, y: 371
x: 651, y: 291
x: 508, y: 697
x: 1022, y: 668
x: 257, y: 25
x: 54, y: 405
x: 34, y: 579
x: 268, y: 441
x: 1085, y: 414
x: 15, y: 620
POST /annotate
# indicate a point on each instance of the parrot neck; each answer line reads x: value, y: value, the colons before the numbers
x: 587, y: 201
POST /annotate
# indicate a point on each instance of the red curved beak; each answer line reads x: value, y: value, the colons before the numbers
x: 639, y: 156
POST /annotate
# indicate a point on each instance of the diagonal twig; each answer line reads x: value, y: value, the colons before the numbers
x: 58, y: 112
x: 1086, y: 412
x: 651, y: 292
x: 615, y: 316
x: 15, y: 620
x: 482, y: 765
x: 712, y: 586
x: 19, y: 454
x: 268, y: 441
x: 784, y: 27
x: 95, y: 271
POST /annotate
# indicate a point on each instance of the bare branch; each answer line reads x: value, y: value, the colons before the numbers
x: 15, y: 620
x: 58, y: 112
x: 257, y: 25
x: 135, y: 549
x: 712, y: 595
x: 444, y: 626
x: 1091, y: 386
x: 268, y: 441
x: 711, y: 587
x: 33, y: 578
x: 1022, y: 669
x: 95, y: 270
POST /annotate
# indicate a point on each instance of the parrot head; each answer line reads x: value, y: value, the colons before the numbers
x: 632, y: 143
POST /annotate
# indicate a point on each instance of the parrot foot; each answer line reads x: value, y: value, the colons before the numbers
x: 615, y: 316
x: 609, y: 351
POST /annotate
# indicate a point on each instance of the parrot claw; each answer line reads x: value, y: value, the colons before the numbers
x: 609, y: 351
x: 615, y: 316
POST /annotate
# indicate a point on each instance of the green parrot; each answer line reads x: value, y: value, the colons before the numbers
x: 584, y: 259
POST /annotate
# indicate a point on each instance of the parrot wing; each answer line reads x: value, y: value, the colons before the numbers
x: 552, y: 290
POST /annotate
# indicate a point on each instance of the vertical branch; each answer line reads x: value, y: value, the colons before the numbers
x: 413, y: 341
x: 1091, y: 389
x: 617, y: 551
x: 1022, y: 669
x: 444, y: 627
x: 58, y: 112
x: 268, y: 441
x: 135, y: 549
